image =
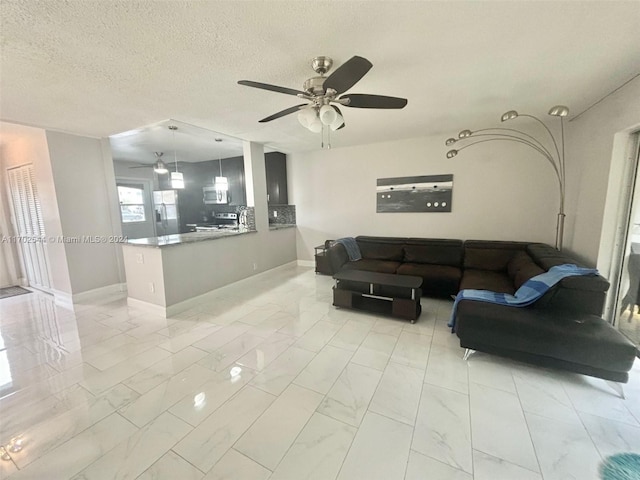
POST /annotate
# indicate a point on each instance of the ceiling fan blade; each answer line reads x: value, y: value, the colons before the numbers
x: 143, y: 166
x: 348, y: 74
x: 361, y: 100
x: 273, y: 88
x: 282, y: 113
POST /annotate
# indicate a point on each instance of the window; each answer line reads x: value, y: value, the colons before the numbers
x: 131, y: 203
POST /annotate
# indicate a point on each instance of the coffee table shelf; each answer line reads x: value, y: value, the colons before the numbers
x: 387, y: 294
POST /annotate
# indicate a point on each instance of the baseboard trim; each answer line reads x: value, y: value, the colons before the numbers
x: 194, y: 301
x: 116, y: 290
x: 306, y: 263
x: 62, y: 299
x: 147, y: 307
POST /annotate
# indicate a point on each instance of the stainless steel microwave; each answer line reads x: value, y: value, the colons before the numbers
x: 215, y: 195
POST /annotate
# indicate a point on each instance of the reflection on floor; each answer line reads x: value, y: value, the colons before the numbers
x: 266, y: 380
x: 629, y: 324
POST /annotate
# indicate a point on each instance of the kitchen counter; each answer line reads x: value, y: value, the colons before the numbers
x: 182, y: 238
x: 280, y: 226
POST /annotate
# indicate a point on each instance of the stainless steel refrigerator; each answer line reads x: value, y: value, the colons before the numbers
x: 165, y: 204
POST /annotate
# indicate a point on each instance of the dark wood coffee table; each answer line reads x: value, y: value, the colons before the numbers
x: 390, y: 294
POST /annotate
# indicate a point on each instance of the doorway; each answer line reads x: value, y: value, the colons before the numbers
x: 625, y: 283
x: 136, y: 213
x: 29, y: 226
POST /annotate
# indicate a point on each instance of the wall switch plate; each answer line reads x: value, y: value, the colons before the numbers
x: 275, y: 214
x: 152, y: 287
x: 139, y: 258
x: 255, y: 266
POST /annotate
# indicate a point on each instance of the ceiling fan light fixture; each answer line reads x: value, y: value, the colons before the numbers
x: 337, y: 123
x: 315, y: 126
x: 160, y: 167
x: 327, y: 114
x: 307, y: 116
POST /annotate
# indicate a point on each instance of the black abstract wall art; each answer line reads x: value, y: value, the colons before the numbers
x: 426, y: 193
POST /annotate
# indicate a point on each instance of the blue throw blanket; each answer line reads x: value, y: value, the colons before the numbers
x: 528, y: 293
x: 351, y: 246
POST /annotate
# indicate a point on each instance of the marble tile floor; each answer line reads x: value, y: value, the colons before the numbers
x: 264, y: 379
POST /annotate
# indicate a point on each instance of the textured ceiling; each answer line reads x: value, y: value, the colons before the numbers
x: 107, y: 66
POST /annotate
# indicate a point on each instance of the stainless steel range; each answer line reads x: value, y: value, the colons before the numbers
x: 221, y: 221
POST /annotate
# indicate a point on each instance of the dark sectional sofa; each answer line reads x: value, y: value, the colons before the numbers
x: 562, y: 329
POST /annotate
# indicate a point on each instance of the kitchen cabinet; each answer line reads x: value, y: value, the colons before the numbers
x: 233, y: 169
x: 276, y: 172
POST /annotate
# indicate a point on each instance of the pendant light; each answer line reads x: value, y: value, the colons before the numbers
x: 177, y: 180
x: 221, y: 183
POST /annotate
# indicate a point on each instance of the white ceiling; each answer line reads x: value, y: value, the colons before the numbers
x: 98, y: 68
x: 188, y: 143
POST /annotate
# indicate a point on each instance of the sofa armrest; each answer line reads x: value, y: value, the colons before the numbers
x: 337, y: 255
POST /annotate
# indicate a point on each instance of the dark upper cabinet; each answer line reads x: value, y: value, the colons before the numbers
x: 233, y: 169
x: 276, y: 170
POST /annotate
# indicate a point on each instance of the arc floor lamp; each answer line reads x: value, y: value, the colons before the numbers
x: 549, y: 150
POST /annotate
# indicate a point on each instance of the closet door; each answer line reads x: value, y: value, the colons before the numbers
x: 29, y: 226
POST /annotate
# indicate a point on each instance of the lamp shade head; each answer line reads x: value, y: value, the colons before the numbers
x: 452, y: 153
x: 559, y: 111
x: 306, y: 116
x: 337, y: 123
x: 510, y: 115
x: 160, y: 167
x: 327, y: 114
x: 315, y: 126
x: 464, y: 134
x: 450, y: 141
x: 177, y: 180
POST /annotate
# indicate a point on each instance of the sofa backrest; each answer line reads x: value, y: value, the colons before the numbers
x: 433, y: 251
x: 521, y: 268
x: 585, y: 294
x: 381, y: 248
x: 490, y: 255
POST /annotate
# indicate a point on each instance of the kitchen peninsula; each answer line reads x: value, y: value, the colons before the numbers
x: 165, y: 274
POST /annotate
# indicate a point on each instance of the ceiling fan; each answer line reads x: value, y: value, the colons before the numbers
x: 159, y: 166
x: 323, y: 93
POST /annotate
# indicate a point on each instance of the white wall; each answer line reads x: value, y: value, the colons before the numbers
x: 80, y: 179
x: 501, y: 192
x: 596, y: 144
x: 20, y: 146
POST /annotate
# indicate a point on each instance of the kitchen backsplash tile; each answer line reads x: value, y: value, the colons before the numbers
x: 251, y: 216
x: 286, y: 214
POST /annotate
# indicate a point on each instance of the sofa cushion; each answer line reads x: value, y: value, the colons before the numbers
x: 435, y: 252
x: 521, y: 268
x: 370, y: 265
x: 487, y: 255
x: 487, y: 280
x: 568, y: 336
x: 437, y: 280
x: 381, y: 249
